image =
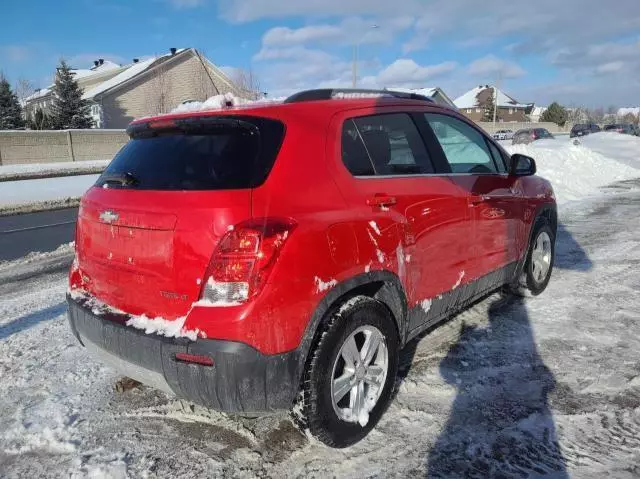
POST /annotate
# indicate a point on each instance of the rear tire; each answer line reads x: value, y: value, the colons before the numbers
x: 538, y: 266
x: 344, y: 398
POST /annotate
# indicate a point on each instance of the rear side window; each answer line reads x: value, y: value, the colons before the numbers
x: 464, y: 147
x: 391, y: 141
x: 354, y: 154
x: 229, y: 155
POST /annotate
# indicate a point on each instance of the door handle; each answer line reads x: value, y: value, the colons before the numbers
x: 381, y: 200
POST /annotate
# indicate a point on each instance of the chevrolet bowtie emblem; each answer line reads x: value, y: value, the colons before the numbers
x: 108, y: 216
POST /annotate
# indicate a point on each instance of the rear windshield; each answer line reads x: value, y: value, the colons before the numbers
x: 221, y: 154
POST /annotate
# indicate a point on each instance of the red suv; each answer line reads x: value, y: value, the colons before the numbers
x: 240, y: 256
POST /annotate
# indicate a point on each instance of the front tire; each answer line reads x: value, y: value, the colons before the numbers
x: 350, y: 378
x: 538, y: 266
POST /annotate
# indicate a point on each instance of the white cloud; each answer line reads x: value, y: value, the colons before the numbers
x: 611, y: 67
x: 405, y: 72
x: 350, y: 31
x: 492, y: 67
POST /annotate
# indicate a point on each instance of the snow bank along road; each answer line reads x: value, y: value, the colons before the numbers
x: 510, y: 388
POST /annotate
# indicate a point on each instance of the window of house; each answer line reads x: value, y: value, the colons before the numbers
x: 510, y: 111
x: 469, y: 110
x: 478, y: 110
x: 392, y: 144
x: 464, y: 147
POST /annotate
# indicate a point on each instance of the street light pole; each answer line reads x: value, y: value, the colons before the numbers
x: 354, y: 66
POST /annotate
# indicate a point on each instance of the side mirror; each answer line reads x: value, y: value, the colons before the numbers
x: 522, y: 165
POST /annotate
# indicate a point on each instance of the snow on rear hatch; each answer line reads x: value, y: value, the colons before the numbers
x: 148, y: 229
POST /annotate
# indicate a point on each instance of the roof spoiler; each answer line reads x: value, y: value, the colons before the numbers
x: 352, y: 93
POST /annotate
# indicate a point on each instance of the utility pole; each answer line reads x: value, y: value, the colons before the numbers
x: 495, y: 99
x: 354, y: 66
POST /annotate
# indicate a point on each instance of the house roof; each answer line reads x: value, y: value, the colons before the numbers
x: 470, y: 99
x: 132, y: 71
x: 128, y: 73
x: 427, y: 91
x: 625, y: 111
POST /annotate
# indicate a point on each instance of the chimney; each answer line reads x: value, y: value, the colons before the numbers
x: 101, y: 60
x: 135, y: 60
x: 173, y: 50
x: 96, y: 63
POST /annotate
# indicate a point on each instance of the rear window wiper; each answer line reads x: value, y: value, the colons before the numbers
x: 123, y: 179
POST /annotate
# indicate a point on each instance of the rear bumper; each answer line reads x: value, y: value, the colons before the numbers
x: 241, y: 380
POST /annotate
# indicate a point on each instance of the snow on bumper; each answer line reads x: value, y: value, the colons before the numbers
x: 240, y: 380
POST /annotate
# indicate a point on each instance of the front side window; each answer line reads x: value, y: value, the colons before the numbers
x: 464, y: 147
x: 391, y: 141
x: 498, y: 158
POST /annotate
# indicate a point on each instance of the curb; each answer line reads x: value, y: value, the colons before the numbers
x: 49, y: 205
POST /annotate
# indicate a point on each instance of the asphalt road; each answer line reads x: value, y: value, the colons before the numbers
x: 41, y: 231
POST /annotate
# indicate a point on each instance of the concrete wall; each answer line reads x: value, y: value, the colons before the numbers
x: 21, y: 147
x: 552, y: 127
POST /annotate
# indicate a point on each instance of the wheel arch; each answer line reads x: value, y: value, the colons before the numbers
x: 383, y: 286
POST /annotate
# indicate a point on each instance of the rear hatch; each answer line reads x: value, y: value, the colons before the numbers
x: 148, y: 228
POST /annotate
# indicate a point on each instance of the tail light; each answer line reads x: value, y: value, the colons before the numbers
x: 243, y: 260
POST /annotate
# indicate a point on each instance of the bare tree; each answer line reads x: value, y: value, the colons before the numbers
x: 24, y: 89
x: 630, y: 118
x: 247, y: 81
x: 596, y: 115
x: 158, y: 100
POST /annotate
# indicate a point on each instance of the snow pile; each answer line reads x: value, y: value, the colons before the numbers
x: 164, y: 327
x: 220, y: 102
x: 62, y: 168
x: 577, y: 171
x: 45, y: 189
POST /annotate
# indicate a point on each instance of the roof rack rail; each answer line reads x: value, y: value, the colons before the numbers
x: 352, y: 93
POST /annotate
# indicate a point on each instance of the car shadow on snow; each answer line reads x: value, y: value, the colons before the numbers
x: 32, y: 319
x: 569, y: 253
x: 500, y: 423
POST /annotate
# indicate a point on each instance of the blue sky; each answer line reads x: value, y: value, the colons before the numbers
x: 584, y: 52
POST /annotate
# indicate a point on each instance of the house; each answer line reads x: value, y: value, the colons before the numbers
x: 438, y: 95
x: 536, y: 113
x: 474, y: 102
x: 120, y: 93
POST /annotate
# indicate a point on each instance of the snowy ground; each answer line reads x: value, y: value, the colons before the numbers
x: 547, y: 384
x: 29, y: 191
x: 50, y: 169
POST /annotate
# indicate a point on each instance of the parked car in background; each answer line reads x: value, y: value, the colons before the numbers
x: 528, y: 135
x: 503, y: 135
x: 614, y: 127
x: 204, y: 268
x: 582, y: 129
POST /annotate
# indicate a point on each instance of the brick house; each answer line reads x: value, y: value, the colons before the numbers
x: 118, y: 94
x: 473, y: 103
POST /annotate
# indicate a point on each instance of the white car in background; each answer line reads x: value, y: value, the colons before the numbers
x: 503, y: 135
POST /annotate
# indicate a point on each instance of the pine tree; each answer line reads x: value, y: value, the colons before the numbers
x: 68, y: 110
x: 489, y: 106
x: 10, y: 110
x: 555, y: 113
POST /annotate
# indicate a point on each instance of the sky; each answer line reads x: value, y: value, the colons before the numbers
x: 577, y: 52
